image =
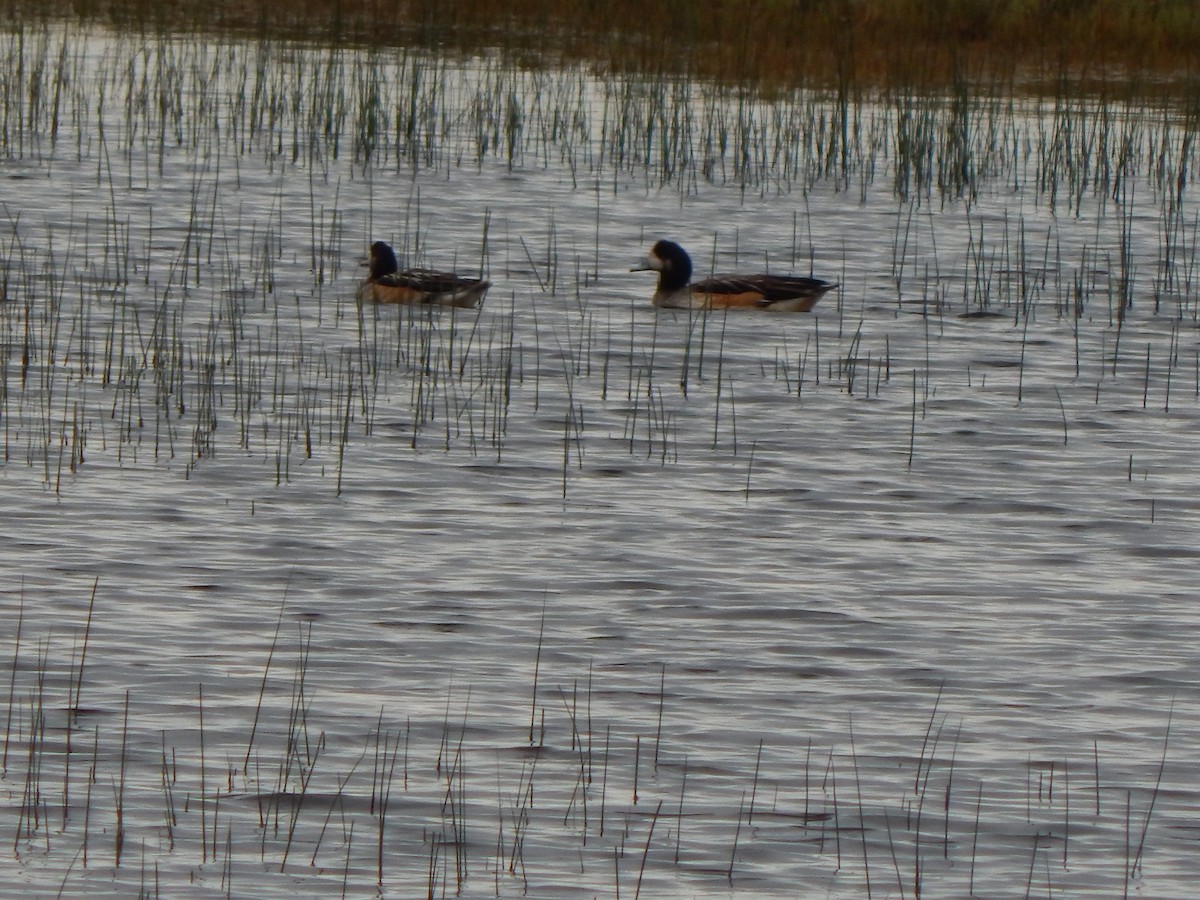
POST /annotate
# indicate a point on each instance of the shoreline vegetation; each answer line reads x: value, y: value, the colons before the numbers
x: 1126, y: 47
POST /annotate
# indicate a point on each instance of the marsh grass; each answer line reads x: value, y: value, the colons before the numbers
x: 404, y: 110
x: 828, y: 42
x: 294, y: 809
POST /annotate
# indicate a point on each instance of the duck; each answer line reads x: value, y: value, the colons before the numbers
x: 386, y: 283
x: 776, y: 293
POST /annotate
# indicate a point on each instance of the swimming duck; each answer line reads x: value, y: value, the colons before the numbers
x: 778, y: 293
x: 387, y: 284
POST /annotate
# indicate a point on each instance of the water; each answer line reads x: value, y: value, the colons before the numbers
x: 893, y: 598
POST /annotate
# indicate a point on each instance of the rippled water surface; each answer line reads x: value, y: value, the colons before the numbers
x: 568, y: 596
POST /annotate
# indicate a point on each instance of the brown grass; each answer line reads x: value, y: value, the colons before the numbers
x: 780, y: 43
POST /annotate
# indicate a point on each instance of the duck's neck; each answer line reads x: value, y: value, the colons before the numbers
x: 383, y: 262
x: 672, y: 298
x: 671, y: 281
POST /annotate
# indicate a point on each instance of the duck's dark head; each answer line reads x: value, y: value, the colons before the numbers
x: 383, y: 260
x: 672, y: 263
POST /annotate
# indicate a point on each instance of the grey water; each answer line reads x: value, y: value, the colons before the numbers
x: 570, y: 596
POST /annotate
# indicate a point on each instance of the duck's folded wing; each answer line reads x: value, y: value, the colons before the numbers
x: 769, y: 288
x: 428, y: 281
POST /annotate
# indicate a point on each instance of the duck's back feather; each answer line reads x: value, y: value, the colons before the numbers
x: 428, y: 281
x: 784, y: 293
x: 426, y: 286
